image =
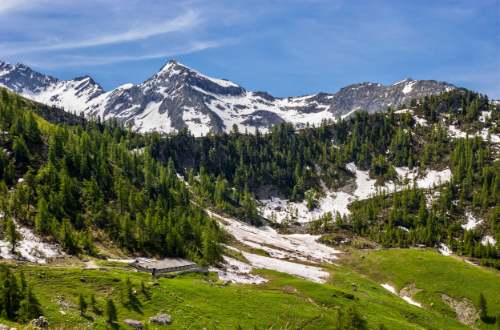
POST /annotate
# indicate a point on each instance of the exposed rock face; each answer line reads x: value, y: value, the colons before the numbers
x: 179, y: 97
x: 6, y: 327
x: 464, y: 309
x: 40, y: 323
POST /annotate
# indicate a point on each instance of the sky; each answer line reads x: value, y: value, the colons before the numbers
x: 284, y: 47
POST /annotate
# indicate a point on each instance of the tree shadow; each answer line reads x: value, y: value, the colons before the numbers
x: 113, y: 325
x: 489, y: 319
x: 135, y: 304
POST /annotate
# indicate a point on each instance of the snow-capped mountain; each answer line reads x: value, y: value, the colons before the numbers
x: 179, y: 97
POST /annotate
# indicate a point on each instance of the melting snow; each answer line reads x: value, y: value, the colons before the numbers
x: 296, y: 246
x: 411, y: 301
x: 392, y: 290
x: 312, y: 273
x: 485, y: 115
x: 483, y: 134
x: 235, y: 271
x: 421, y: 121
x: 402, y: 111
x: 488, y: 240
x: 434, y: 178
x: 444, y: 250
x: 472, y: 222
x: 30, y: 247
x: 337, y: 201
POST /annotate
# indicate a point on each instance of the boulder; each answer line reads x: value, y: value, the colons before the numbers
x: 6, y: 327
x: 40, y: 323
x: 161, y: 319
x: 134, y: 323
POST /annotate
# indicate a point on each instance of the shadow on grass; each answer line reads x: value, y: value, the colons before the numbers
x: 489, y: 319
x: 113, y: 325
x: 135, y: 304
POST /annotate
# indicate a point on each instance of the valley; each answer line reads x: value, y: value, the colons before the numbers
x: 363, y: 222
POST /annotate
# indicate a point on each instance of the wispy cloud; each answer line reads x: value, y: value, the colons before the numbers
x: 184, y: 21
x: 9, y: 5
x: 78, y: 61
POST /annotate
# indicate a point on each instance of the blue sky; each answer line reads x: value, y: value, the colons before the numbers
x: 285, y: 47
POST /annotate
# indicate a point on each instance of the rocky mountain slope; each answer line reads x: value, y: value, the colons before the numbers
x: 179, y: 97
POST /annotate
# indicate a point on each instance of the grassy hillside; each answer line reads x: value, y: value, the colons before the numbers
x: 433, y: 274
x: 197, y: 301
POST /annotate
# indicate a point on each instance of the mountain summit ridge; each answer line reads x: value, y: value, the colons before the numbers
x: 178, y: 97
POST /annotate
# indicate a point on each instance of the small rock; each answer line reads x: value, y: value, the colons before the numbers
x: 161, y: 319
x: 40, y: 323
x: 134, y: 323
x: 6, y: 327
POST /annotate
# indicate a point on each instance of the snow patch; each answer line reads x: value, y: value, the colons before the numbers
x: 444, y: 250
x: 485, y: 115
x: 312, y: 273
x: 302, y: 247
x: 483, y: 134
x: 408, y: 87
x: 472, y: 222
x: 434, y: 178
x: 236, y: 271
x: 281, y: 210
x: 408, y: 299
x: 488, y: 240
x: 420, y: 121
x: 30, y: 247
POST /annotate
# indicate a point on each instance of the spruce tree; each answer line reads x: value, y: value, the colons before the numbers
x: 12, y: 234
x: 29, y: 307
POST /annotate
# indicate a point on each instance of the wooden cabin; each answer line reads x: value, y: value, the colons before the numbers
x: 164, y: 266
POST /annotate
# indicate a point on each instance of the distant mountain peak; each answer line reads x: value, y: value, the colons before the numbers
x: 178, y: 97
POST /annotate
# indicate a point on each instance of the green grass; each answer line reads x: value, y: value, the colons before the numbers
x: 434, y: 274
x: 198, y: 301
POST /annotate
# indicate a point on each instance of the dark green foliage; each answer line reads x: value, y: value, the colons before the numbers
x: 94, y: 305
x: 82, y: 304
x: 11, y: 233
x: 17, y: 301
x: 29, y: 307
x: 111, y: 315
x: 94, y: 177
x: 483, y: 308
x: 351, y: 320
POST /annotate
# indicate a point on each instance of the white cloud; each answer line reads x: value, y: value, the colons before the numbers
x: 8, y: 5
x: 184, y: 21
x: 69, y: 60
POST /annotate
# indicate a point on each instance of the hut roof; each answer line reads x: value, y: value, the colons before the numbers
x: 163, y: 263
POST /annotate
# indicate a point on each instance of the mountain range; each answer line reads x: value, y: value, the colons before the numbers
x: 178, y: 97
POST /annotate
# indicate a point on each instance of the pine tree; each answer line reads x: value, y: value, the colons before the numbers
x: 42, y: 217
x: 29, y: 307
x: 12, y: 234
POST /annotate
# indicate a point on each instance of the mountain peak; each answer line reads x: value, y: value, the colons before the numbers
x: 178, y: 96
x: 406, y: 80
x: 174, y: 65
